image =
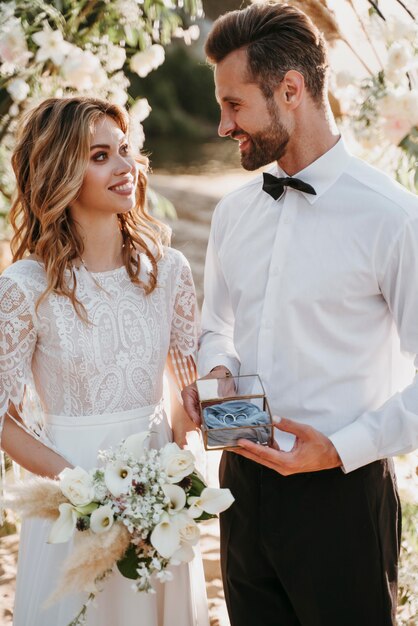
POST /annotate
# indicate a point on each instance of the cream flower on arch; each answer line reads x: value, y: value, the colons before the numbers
x: 51, y: 45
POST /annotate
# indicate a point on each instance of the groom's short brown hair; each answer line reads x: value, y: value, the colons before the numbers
x: 278, y: 38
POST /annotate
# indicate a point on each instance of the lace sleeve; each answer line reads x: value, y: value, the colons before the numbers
x: 184, y: 329
x: 17, y: 343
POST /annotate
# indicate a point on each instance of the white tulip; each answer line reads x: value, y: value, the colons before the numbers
x: 177, y: 497
x: 77, y: 485
x: 135, y: 445
x: 211, y: 500
x: 118, y: 478
x: 101, y: 519
x: 166, y: 536
x: 176, y: 463
x: 18, y: 89
x: 63, y: 528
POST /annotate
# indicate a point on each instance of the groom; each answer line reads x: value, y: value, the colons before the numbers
x: 311, y: 282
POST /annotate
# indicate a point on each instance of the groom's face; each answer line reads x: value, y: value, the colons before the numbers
x: 247, y: 115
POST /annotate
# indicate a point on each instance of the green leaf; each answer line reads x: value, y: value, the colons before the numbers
x: 129, y: 563
x: 410, y: 143
x: 197, y: 485
x: 205, y: 516
x: 87, y: 508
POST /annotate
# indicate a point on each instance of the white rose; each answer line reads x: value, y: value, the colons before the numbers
x: 396, y: 128
x: 118, y: 96
x: 83, y: 70
x: 401, y: 104
x: 344, y: 79
x: 116, y: 58
x: 388, y: 105
x: 176, y: 463
x: 189, y: 530
x: 399, y: 57
x: 77, y: 485
x: 142, y: 63
x: 13, y: 48
x: 408, y: 103
x: 140, y: 109
x: 18, y: 89
x: 401, y: 29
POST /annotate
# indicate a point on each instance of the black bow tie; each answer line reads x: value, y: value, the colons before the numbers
x: 275, y: 186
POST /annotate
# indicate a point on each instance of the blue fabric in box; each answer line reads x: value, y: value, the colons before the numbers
x: 236, y: 414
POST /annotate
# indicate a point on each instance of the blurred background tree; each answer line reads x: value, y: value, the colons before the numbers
x: 52, y: 48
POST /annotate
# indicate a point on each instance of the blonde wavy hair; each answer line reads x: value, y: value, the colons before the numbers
x: 49, y: 161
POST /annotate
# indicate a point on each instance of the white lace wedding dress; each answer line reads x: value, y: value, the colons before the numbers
x: 97, y: 383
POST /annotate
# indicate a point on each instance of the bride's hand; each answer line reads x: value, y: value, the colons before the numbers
x: 181, y: 426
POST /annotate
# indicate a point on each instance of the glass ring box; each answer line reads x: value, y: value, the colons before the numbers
x: 234, y: 408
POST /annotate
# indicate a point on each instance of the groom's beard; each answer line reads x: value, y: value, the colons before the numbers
x: 267, y: 145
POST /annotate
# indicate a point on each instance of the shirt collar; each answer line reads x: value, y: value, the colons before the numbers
x: 323, y: 172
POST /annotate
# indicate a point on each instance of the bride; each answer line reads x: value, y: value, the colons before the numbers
x: 92, y: 311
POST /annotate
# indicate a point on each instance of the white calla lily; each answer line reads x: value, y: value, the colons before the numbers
x: 101, y: 520
x: 176, y: 496
x: 135, y: 444
x: 166, y: 536
x: 63, y: 528
x: 118, y: 477
x: 211, y: 500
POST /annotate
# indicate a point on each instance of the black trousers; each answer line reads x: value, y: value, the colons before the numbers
x: 314, y: 549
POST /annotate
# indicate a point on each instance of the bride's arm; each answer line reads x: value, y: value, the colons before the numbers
x: 18, y: 339
x: 181, y: 423
x: 181, y: 362
x: 29, y: 452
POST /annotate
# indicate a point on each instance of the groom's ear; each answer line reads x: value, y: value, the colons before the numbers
x: 291, y: 90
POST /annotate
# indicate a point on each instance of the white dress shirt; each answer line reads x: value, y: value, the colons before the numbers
x: 319, y: 296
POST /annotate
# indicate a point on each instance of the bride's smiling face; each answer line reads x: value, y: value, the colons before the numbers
x: 111, y: 176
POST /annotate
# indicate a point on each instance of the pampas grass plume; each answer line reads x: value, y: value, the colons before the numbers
x: 37, y: 497
x: 322, y: 17
x: 92, y: 557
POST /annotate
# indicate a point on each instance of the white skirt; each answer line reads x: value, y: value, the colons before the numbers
x: 181, y: 602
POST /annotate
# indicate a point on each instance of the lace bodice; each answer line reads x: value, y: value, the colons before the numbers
x: 113, y: 363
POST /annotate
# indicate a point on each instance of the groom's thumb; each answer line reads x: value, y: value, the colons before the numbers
x: 289, y: 426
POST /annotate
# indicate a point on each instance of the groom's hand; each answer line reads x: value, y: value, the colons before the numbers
x: 312, y: 451
x: 191, y: 397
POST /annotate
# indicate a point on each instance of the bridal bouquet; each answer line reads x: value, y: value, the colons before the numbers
x: 137, y: 511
